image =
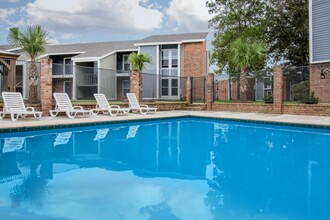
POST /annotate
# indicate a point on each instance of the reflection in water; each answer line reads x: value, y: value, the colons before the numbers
x: 178, y: 169
x: 62, y: 138
x: 12, y: 144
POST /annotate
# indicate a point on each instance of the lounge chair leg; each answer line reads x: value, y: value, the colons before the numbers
x: 52, y: 113
x: 71, y: 116
x: 13, y: 118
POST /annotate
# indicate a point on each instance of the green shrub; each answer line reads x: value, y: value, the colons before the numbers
x: 311, y: 99
x: 300, y: 91
x: 268, y: 98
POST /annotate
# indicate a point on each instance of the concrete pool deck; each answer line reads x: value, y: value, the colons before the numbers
x: 6, y: 124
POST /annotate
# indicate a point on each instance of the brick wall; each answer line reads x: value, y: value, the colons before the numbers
x: 136, y: 84
x: 46, y: 85
x: 193, y: 57
x: 304, y: 109
x: 321, y: 87
x: 297, y: 109
x: 243, y: 107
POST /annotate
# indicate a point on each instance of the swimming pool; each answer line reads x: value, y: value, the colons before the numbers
x: 187, y: 168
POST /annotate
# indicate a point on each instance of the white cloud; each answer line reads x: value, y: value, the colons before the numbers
x: 5, y: 13
x: 189, y: 15
x: 81, y: 16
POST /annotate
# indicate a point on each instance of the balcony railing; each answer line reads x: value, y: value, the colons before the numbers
x: 62, y: 70
x: 122, y: 69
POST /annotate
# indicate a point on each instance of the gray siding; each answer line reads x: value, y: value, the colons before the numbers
x: 149, y: 77
x: 320, y: 30
x: 152, y: 52
x: 259, y: 93
x: 107, y: 76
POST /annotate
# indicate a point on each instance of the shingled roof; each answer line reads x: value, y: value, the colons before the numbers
x: 170, y: 38
x: 99, y: 49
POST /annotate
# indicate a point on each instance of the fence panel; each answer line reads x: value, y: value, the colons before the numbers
x: 22, y: 77
x: 86, y: 82
x: 150, y: 86
x: 198, y: 89
x: 296, y: 85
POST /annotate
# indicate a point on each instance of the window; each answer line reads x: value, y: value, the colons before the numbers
x: 126, y: 65
x: 126, y: 87
x: 169, y: 60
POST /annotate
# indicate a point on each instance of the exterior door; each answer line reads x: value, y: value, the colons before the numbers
x: 68, y: 88
x: 169, y: 72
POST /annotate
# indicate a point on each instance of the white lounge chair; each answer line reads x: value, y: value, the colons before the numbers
x: 135, y: 106
x: 13, y: 104
x: 103, y: 106
x: 63, y: 104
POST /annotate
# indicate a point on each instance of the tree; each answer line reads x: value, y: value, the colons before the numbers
x: 246, y: 55
x: 33, y: 42
x: 233, y: 19
x: 137, y: 61
x: 288, y: 31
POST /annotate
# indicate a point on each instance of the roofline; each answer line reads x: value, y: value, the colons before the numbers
x: 85, y: 59
x: 116, y: 51
x: 319, y: 62
x: 65, y: 53
x: 9, y: 54
x: 169, y: 42
x: 12, y: 49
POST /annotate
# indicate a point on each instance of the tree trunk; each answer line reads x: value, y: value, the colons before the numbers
x: 33, y: 83
x: 243, y: 86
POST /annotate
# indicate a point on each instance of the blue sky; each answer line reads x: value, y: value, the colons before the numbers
x: 71, y: 21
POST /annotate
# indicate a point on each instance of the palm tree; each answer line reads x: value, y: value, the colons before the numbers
x: 246, y: 55
x: 137, y: 62
x: 33, y: 42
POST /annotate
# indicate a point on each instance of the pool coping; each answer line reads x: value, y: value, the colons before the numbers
x: 62, y: 122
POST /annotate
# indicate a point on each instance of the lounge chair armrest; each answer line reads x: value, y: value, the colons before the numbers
x: 30, y: 109
x: 78, y: 107
x: 144, y: 106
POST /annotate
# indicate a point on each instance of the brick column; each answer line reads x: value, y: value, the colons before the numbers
x: 188, y: 90
x: 209, y: 91
x: 136, y: 84
x: 46, y: 85
x: 278, y: 90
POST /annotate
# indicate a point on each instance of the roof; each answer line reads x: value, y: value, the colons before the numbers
x: 102, y: 49
x: 171, y: 38
x: 6, y: 54
x: 85, y: 50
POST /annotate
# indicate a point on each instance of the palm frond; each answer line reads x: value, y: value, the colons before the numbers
x: 137, y: 61
x: 33, y: 41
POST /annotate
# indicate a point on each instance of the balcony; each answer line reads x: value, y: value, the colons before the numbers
x: 62, y: 71
x: 123, y: 69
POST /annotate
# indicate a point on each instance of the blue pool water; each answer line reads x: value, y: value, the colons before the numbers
x: 186, y: 168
